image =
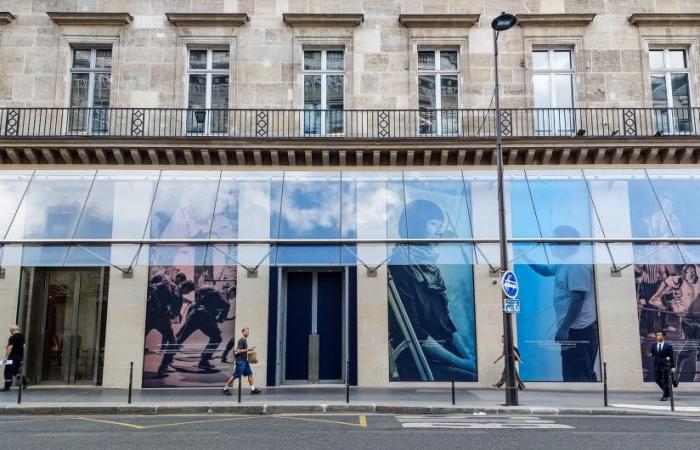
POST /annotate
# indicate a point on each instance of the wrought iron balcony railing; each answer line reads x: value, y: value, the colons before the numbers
x: 362, y: 124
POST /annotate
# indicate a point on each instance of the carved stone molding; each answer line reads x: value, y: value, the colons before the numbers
x: 188, y: 152
x: 323, y: 20
x: 6, y: 17
x: 438, y: 20
x: 664, y: 19
x: 555, y: 20
x: 116, y: 19
x: 208, y: 19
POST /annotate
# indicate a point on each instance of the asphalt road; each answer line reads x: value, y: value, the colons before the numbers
x: 348, y: 432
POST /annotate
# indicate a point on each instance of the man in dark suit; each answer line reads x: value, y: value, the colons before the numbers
x: 662, y: 354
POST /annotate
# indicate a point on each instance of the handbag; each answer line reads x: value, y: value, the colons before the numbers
x: 253, y: 357
x: 674, y: 379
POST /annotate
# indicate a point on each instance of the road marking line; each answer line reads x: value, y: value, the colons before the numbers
x: 166, y: 425
x: 479, y: 422
x: 362, y: 423
x: 194, y: 422
x: 111, y: 422
x: 658, y: 407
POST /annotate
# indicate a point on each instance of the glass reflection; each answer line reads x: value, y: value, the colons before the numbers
x: 52, y: 205
x: 118, y: 205
x: 183, y: 205
x: 12, y: 187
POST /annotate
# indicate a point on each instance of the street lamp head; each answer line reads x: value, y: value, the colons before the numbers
x: 504, y: 22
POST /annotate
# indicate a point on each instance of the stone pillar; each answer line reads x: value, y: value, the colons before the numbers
x: 616, y: 296
x: 9, y: 297
x: 253, y: 290
x: 125, y: 326
x: 487, y: 293
x: 372, y: 320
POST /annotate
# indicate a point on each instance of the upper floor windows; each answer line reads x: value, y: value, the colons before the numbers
x: 91, y: 73
x: 208, y: 91
x: 670, y: 91
x: 438, y: 91
x: 553, y: 87
x: 324, y: 91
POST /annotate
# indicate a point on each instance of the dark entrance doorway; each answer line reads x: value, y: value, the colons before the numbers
x: 63, y: 312
x: 313, y: 326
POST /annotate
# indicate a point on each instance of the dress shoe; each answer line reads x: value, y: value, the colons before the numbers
x: 663, y: 399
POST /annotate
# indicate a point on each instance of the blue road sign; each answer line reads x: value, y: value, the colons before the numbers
x: 511, y: 305
x: 509, y: 284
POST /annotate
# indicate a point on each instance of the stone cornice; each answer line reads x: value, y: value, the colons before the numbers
x: 323, y: 20
x: 6, y: 17
x: 555, y: 20
x: 664, y: 19
x: 116, y: 19
x: 438, y: 20
x: 211, y: 151
x: 207, y: 19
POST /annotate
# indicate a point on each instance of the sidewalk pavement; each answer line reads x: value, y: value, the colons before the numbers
x: 331, y: 399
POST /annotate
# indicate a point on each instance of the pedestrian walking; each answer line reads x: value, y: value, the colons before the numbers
x: 662, y: 354
x: 14, y: 354
x: 502, y: 381
x: 242, y: 367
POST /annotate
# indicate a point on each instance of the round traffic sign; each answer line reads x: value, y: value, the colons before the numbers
x: 509, y: 284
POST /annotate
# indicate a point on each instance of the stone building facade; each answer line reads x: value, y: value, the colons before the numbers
x: 604, y: 86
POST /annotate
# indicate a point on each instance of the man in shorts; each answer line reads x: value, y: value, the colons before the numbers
x: 242, y: 367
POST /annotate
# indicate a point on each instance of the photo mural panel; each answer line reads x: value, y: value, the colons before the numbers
x: 666, y: 280
x: 190, y: 318
x: 431, y: 286
x: 557, y: 326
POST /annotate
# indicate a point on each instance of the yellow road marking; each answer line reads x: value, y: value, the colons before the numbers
x: 165, y: 425
x: 111, y: 422
x: 230, y: 419
x: 362, y: 422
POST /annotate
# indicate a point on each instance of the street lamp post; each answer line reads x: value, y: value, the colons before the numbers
x: 502, y: 23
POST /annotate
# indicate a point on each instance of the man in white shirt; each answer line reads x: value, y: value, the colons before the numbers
x: 574, y: 305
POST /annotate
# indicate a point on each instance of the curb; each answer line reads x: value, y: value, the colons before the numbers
x: 341, y: 408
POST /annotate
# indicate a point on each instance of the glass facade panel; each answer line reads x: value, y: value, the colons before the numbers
x: 118, y: 205
x: 12, y: 187
x: 52, y: 205
x: 184, y: 205
x: 310, y: 209
x: 557, y: 324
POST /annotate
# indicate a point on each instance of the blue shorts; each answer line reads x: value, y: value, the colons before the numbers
x: 242, y: 368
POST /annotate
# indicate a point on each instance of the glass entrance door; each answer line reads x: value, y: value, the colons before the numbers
x: 64, y: 318
x: 314, y: 327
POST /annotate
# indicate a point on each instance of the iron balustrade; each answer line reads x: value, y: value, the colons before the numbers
x: 358, y: 124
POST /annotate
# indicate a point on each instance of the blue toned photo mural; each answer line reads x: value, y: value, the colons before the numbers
x: 666, y: 280
x: 431, y: 287
x: 557, y: 325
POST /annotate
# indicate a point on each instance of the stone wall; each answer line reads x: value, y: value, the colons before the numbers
x: 150, y: 52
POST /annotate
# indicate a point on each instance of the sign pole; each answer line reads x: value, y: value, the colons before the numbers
x: 511, y: 389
